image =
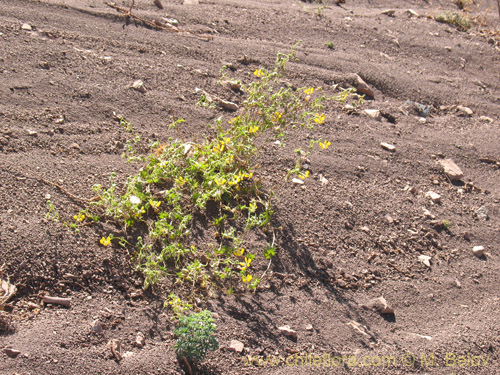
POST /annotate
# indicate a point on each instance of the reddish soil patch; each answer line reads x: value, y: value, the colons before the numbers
x: 340, y: 244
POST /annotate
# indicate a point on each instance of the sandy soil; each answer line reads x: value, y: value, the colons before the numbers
x: 340, y: 244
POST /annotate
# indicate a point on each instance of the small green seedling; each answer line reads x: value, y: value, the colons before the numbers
x: 196, y: 337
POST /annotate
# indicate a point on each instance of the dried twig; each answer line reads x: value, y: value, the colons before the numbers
x: 155, y: 24
x: 30, y: 174
x: 57, y: 300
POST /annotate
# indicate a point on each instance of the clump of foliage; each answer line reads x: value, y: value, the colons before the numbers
x: 459, y: 20
x: 195, y: 336
x: 216, y: 180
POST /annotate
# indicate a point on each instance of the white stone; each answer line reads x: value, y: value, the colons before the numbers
x: 287, y: 331
x: 139, y: 86
x: 236, y: 346
x: 435, y: 197
x: 478, y: 251
x: 26, y: 27
x: 425, y: 259
x: 388, y: 147
x: 298, y: 181
x: 375, y: 113
x: 451, y: 170
x: 465, y: 110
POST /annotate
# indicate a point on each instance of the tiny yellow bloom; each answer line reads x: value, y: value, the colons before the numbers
x: 304, y: 176
x: 79, y: 217
x: 247, y: 278
x: 220, y: 182
x: 324, y: 145
x: 319, y: 118
x: 239, y: 252
x: 155, y: 204
x: 309, y: 91
x: 259, y: 73
x: 276, y: 116
x: 253, y: 129
x: 105, y: 241
x: 253, y: 206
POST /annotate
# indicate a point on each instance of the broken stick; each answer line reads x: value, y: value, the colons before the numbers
x: 57, y: 300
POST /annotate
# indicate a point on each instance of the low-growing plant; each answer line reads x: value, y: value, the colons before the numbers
x: 195, y: 337
x: 459, y: 20
x: 216, y: 178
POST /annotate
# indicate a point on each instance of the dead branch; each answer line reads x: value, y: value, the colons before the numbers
x: 57, y: 300
x: 30, y: 174
x: 155, y: 24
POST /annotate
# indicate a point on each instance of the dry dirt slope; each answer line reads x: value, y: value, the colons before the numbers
x: 61, y: 83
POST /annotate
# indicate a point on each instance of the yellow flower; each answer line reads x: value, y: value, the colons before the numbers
x: 309, y: 91
x: 259, y: 73
x: 79, y: 217
x: 324, y: 145
x: 239, y: 252
x: 276, y: 116
x: 253, y: 129
x: 246, y: 263
x: 155, y: 204
x: 319, y: 118
x: 304, y: 176
x: 247, y: 278
x: 105, y: 241
x: 140, y: 212
x: 181, y: 181
x: 220, y: 182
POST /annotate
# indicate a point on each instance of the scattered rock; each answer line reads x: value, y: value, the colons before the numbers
x: 140, y: 340
x: 486, y: 119
x: 389, y: 12
x: 421, y: 110
x: 465, y: 111
x: 32, y: 132
x: 323, y: 180
x: 358, y: 327
x: 482, y: 213
x: 139, y: 86
x: 12, y: 353
x: 389, y: 219
x: 478, y: 251
x: 374, y: 113
x: 191, y: 2
x: 26, y: 27
x: 230, y: 106
x: 59, y: 120
x: 428, y: 214
x: 115, y: 346
x: 451, y: 170
x: 362, y: 87
x: 458, y: 283
x: 75, y: 146
x: 298, y: 181
x: 44, y: 65
x: 236, y: 346
x: 365, y: 229
x: 96, y: 327
x: 435, y: 197
x: 379, y: 305
x: 425, y: 259
x: 388, y: 147
x: 233, y: 85
x: 309, y: 327
x: 412, y: 13
x: 158, y: 4
x: 287, y: 331
x: 7, y: 291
